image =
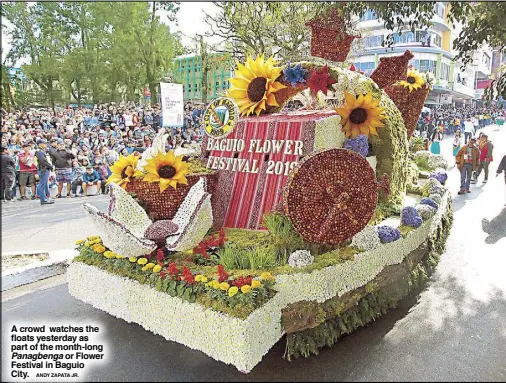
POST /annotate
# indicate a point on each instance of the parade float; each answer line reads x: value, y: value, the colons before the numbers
x: 305, y: 224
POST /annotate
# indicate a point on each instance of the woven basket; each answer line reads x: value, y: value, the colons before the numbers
x: 409, y: 103
x: 164, y: 205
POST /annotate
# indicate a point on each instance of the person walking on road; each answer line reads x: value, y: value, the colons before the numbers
x: 8, y: 174
x: 62, y: 160
x: 45, y: 166
x: 468, y: 129
x: 457, y: 142
x: 436, y: 139
x: 467, y: 161
x: 501, y: 169
x: 486, y: 148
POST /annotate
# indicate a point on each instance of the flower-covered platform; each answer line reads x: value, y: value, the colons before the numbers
x: 305, y: 224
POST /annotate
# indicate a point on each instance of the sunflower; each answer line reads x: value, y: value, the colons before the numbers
x: 254, y: 85
x: 166, y: 169
x: 122, y: 170
x: 414, y: 81
x: 360, y: 115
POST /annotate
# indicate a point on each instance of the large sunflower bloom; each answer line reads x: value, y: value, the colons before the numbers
x: 122, y: 170
x: 414, y: 81
x: 254, y: 85
x: 360, y: 115
x: 167, y: 169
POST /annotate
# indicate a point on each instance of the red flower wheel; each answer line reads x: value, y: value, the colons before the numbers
x: 331, y: 196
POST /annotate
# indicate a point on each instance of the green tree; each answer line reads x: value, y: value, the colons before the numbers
x: 35, y: 35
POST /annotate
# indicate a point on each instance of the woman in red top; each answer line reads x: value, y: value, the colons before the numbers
x: 27, y: 170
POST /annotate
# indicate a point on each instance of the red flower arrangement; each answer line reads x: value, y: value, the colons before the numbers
x: 320, y: 80
x: 241, y: 281
x: 212, y: 242
x: 222, y: 274
x: 188, y: 276
x: 172, y: 269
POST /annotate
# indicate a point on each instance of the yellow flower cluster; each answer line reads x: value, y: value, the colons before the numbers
x: 246, y: 289
x: 94, y: 238
x: 80, y: 241
x: 201, y: 278
x: 256, y: 284
x: 148, y: 266
x: 132, y: 259
x: 213, y: 284
x: 142, y: 261
x: 97, y: 248
x: 267, y: 277
x: 233, y: 291
x: 157, y: 269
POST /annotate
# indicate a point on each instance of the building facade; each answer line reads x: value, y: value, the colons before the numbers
x: 188, y: 71
x: 433, y: 52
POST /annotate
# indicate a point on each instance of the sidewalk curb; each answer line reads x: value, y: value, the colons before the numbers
x: 58, y: 257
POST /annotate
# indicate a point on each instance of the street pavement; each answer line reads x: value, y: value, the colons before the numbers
x: 454, y: 330
x: 28, y: 225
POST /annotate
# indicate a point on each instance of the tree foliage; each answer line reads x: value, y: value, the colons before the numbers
x: 92, y: 51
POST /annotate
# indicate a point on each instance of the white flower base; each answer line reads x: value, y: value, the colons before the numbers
x: 241, y: 343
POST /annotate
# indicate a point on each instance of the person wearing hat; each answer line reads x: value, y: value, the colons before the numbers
x: 44, y: 166
x: 62, y: 160
x: 467, y: 159
x: 27, y: 170
x: 53, y: 144
x: 7, y: 177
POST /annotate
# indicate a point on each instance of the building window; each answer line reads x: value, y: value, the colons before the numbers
x: 424, y: 65
x: 369, y: 15
x: 366, y: 67
x: 403, y: 38
x: 445, y: 72
x: 440, y: 10
x: 372, y: 41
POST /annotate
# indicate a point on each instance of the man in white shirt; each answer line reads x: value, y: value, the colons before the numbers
x: 468, y: 129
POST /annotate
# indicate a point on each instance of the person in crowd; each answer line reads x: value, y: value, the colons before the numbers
x: 457, y: 142
x: 7, y: 177
x: 486, y: 149
x: 467, y: 160
x: 27, y: 170
x: 468, y: 129
x: 44, y: 166
x: 90, y: 178
x: 62, y: 160
x: 502, y: 169
x: 436, y: 139
x: 77, y: 177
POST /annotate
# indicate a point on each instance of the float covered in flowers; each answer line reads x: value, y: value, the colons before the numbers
x: 283, y: 226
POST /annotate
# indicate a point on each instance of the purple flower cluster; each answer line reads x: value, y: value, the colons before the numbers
x: 388, y: 234
x: 411, y: 217
x: 430, y: 202
x: 440, y: 176
x: 358, y: 145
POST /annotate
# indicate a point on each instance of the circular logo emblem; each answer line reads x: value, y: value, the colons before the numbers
x: 220, y: 117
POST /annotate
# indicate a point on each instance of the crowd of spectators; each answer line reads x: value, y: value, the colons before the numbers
x: 78, y: 145
x: 450, y: 118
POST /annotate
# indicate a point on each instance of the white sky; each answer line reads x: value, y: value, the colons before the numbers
x: 190, y: 22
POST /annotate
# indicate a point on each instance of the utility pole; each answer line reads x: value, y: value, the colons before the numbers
x: 205, y: 68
